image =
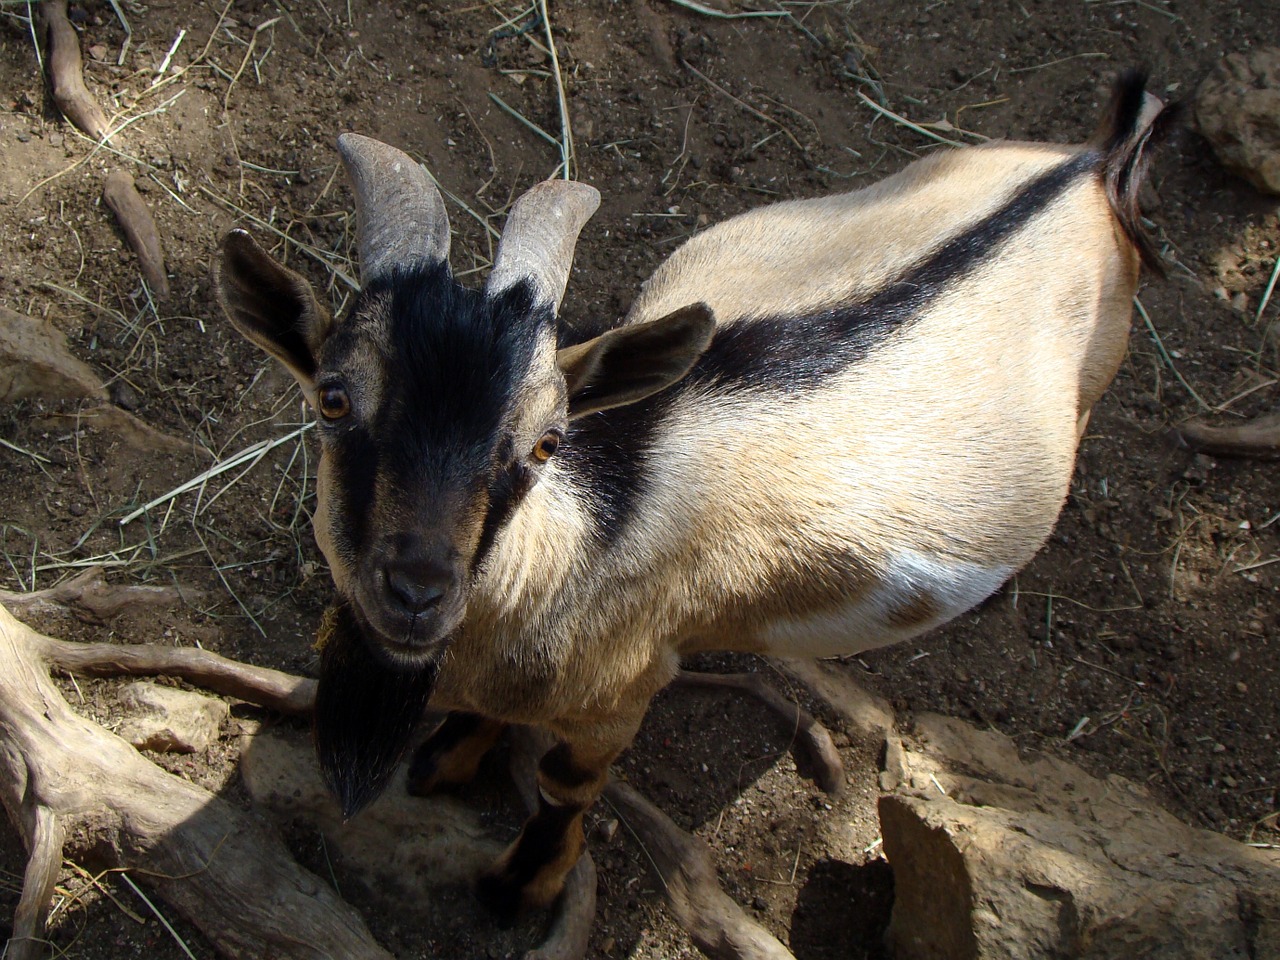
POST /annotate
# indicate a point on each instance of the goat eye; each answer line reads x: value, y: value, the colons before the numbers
x: 546, y: 446
x: 334, y: 402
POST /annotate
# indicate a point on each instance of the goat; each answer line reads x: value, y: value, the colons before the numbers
x: 825, y: 425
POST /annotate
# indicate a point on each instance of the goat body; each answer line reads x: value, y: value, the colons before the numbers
x: 825, y: 425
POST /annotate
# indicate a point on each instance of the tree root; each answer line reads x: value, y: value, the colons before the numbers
x: 88, y: 597
x: 66, y: 70
x: 819, y: 750
x: 718, y: 926
x: 139, y: 229
x: 1259, y: 438
x: 71, y: 788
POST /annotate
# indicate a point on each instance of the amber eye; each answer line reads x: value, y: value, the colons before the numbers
x: 334, y: 402
x: 546, y: 446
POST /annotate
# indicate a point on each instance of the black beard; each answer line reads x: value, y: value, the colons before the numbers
x: 366, y: 711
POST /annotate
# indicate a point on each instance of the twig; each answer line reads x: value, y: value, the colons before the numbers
x: 254, y: 452
x: 903, y: 121
x: 1151, y: 328
x: 567, y: 159
x: 1051, y: 63
x: 159, y: 916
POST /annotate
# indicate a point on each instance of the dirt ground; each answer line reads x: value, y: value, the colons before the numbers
x: 1142, y: 641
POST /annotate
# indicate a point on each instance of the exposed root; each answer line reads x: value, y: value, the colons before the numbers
x: 67, y: 782
x: 66, y: 70
x: 717, y: 925
x: 1258, y: 438
x: 88, y: 597
x: 139, y: 229
x: 819, y: 750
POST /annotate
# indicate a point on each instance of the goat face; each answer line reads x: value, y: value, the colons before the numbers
x: 438, y: 406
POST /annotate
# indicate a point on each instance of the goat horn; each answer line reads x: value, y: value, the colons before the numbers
x: 400, y: 215
x: 541, y: 232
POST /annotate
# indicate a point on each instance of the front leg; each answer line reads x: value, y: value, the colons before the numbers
x: 451, y: 755
x: 532, y: 871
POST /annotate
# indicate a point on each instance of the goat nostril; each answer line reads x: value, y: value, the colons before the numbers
x: 417, y: 596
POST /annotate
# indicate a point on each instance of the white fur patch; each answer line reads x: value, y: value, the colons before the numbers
x: 950, y: 587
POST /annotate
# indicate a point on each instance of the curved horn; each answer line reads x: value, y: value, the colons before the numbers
x: 538, y: 240
x: 400, y: 215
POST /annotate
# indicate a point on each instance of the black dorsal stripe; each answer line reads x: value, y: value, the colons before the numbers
x: 609, y: 451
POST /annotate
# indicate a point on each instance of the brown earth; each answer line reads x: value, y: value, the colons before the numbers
x: 1140, y: 642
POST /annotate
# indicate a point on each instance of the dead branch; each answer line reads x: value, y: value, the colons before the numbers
x: 139, y: 229
x: 71, y: 788
x: 1259, y: 438
x: 66, y: 70
x: 717, y: 925
x: 820, y: 751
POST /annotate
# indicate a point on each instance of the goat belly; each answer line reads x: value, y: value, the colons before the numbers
x: 915, y: 593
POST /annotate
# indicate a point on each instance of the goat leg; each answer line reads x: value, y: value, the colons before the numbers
x: 816, y: 741
x: 576, y: 911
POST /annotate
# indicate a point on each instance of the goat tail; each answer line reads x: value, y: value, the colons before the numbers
x: 1134, y: 123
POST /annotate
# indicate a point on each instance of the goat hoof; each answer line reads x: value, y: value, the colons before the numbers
x: 502, y: 895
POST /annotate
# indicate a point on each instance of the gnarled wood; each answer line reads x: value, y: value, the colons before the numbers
x: 218, y: 867
x: 718, y: 926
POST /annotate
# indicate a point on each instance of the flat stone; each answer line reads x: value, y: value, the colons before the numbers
x: 169, y: 720
x: 400, y: 847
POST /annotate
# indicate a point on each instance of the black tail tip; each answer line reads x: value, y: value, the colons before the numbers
x: 1134, y: 122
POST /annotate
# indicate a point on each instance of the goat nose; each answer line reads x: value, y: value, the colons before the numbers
x: 415, y: 588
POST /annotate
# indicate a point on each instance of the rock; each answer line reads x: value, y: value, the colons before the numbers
x: 400, y: 847
x: 35, y: 363
x: 1238, y: 112
x: 169, y: 720
x: 995, y: 856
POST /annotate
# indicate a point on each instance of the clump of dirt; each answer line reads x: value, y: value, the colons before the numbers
x: 1141, y: 641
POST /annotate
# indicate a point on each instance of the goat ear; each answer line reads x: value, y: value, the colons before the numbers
x: 630, y: 363
x: 271, y: 305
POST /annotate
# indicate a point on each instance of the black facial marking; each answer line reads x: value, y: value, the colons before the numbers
x: 447, y: 381
x: 789, y: 354
x: 365, y: 713
x: 509, y: 486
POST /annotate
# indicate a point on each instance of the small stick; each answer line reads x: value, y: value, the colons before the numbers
x: 139, y: 229
x: 1151, y: 328
x: 903, y: 121
x: 566, y: 132
x: 66, y: 71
